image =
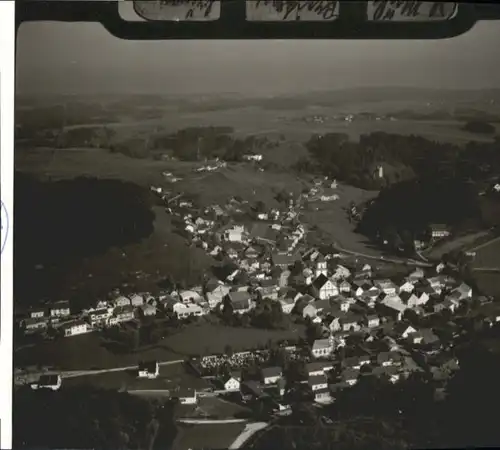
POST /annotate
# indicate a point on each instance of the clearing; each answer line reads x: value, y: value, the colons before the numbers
x: 210, y: 339
x: 207, y: 436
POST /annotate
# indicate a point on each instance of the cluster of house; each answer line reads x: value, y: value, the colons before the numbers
x: 58, y: 315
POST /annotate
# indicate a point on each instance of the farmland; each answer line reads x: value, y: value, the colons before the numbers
x: 86, y: 351
x: 207, y: 436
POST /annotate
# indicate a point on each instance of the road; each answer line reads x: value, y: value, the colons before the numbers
x: 81, y: 373
x: 406, y: 262
x: 247, y: 433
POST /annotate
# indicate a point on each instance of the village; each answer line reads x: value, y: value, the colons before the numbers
x: 359, y: 321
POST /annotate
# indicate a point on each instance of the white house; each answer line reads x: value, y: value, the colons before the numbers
x: 182, y: 311
x: 324, y: 288
x: 121, y: 301
x: 60, y: 309
x: 37, y: 313
x: 52, y: 382
x: 406, y: 287
x: 322, y: 348
x: 341, y: 273
x: 386, y: 286
x: 75, y: 328
x: 100, y: 316
x: 372, y: 321
x: 186, y: 396
x: 148, y: 369
x: 235, y: 234
x: 136, y: 300
x: 271, y: 375
x: 309, y: 311
x: 318, y: 382
x: 287, y: 305
x: 148, y: 310
x: 345, y: 287
x: 232, y: 382
x: 189, y: 296
x: 215, y: 296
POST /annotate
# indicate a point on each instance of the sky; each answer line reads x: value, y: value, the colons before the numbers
x: 83, y: 58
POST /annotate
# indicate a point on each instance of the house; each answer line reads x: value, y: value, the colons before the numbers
x: 183, y: 311
x: 403, y: 330
x: 350, y: 376
x: 386, y: 359
x: 345, y: 287
x: 251, y: 252
x: 241, y: 301
x: 190, y: 296
x: 323, y: 288
x: 271, y: 375
x: 121, y: 301
x: 350, y: 322
x: 372, y: 321
x: 36, y: 313
x: 136, y: 300
x: 60, y: 309
x: 409, y: 299
x: 322, y: 348
x: 75, y: 328
x: 235, y: 233
x: 186, y: 396
x: 318, y: 383
x: 360, y: 287
x: 390, y: 372
x: 386, y: 286
x: 283, y: 260
x: 341, y: 273
x: 148, y: 369
x: 393, y: 307
x: 251, y: 389
x: 321, y: 265
x: 424, y: 337
x: 122, y: 314
x: 462, y: 292
x: 416, y: 275
x: 287, y: 305
x: 406, y: 287
x: 283, y: 278
x: 309, y: 311
x: 318, y: 368
x: 215, y: 295
x: 231, y: 382
x: 33, y: 325
x: 100, y: 316
x: 52, y: 382
x: 439, y: 231
x: 268, y: 290
x: 148, y: 310
x: 323, y: 306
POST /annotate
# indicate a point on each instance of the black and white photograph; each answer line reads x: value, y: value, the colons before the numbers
x: 257, y: 243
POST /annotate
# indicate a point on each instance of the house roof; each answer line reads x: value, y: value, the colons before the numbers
x: 239, y: 296
x: 318, y: 365
x: 282, y: 259
x: 350, y: 374
x: 48, y: 380
x: 315, y: 380
x: 274, y: 371
x: 321, y: 343
x: 319, y: 282
x: 149, y: 366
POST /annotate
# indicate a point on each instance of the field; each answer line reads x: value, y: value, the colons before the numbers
x: 85, y: 351
x: 170, y: 377
x: 207, y: 436
x: 488, y: 283
x: 332, y: 220
x: 209, y: 339
x: 488, y: 256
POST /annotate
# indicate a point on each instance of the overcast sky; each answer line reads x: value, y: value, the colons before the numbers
x: 83, y: 58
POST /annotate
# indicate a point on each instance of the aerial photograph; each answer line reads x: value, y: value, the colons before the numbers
x: 256, y: 244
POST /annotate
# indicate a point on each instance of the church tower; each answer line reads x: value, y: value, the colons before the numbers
x: 321, y: 267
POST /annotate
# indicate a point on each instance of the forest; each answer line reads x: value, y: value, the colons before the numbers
x: 59, y: 223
